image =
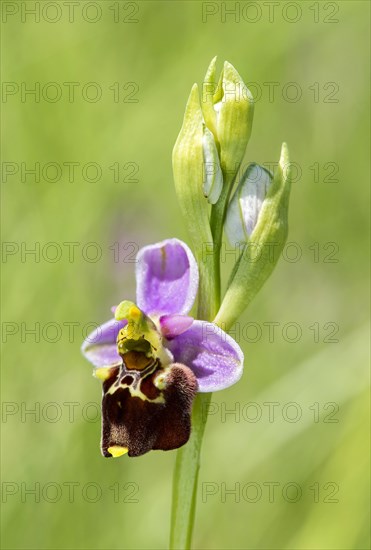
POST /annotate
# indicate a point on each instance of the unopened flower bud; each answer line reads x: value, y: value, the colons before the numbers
x: 228, y: 109
x: 246, y: 203
x: 263, y: 248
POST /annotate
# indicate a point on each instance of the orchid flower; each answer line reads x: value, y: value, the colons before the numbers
x: 153, y: 357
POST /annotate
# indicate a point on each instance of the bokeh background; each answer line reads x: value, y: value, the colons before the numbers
x: 296, y: 478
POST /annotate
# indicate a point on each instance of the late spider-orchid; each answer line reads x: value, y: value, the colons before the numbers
x: 153, y: 357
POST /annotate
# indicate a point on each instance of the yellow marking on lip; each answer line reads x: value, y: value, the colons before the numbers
x: 117, y: 451
x: 135, y: 392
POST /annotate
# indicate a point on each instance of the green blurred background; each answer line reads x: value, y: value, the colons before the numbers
x: 313, y: 451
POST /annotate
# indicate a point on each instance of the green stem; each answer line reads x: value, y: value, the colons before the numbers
x: 187, y: 463
x: 217, y: 218
x: 209, y: 285
x: 185, y: 478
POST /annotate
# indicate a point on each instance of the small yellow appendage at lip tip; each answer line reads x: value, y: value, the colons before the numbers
x: 117, y: 451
